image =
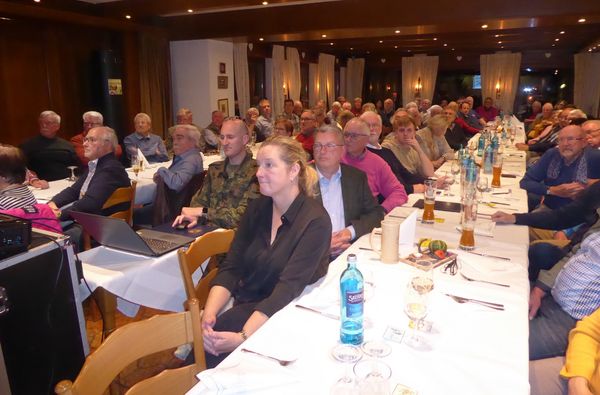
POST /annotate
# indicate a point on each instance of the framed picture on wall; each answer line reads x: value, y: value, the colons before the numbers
x: 223, y: 106
x: 222, y: 82
x: 221, y: 68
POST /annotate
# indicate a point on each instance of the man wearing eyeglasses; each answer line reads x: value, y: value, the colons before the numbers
x: 563, y: 172
x: 344, y: 191
x: 592, y: 133
x: 104, y: 175
x: 308, y: 126
x: 384, y: 185
x: 91, y: 119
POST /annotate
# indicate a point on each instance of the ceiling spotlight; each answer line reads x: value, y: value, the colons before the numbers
x: 380, y: 41
x: 265, y: 3
x: 261, y: 39
x: 351, y: 49
x: 554, y: 45
x: 37, y: 1
x: 395, y: 47
x: 590, y: 50
x: 557, y: 39
x: 324, y: 35
x: 453, y: 49
x: 496, y: 35
x: 484, y: 26
x: 408, y: 50
x: 3, y: 18
x: 397, y: 31
x: 330, y: 43
x: 581, y: 20
x: 563, y: 86
x: 502, y: 47
x: 562, y: 32
x: 190, y: 10
x: 499, y: 42
x: 435, y: 39
x: 128, y: 16
x: 445, y: 45
x: 529, y: 69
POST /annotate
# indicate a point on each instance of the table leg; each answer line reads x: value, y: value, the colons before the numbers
x: 107, y: 303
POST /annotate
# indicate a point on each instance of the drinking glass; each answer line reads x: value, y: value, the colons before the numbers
x: 482, y: 186
x: 428, y: 202
x: 422, y: 281
x: 72, y: 176
x: 135, y: 166
x: 373, y: 377
x: 347, y: 354
x: 468, y: 217
x: 496, y: 170
x: 450, y: 178
x: 415, y: 307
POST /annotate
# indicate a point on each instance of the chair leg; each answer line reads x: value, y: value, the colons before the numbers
x: 107, y: 303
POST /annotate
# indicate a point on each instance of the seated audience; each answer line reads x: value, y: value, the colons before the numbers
x: 357, y: 107
x: 229, y: 185
x: 333, y: 114
x: 264, y: 123
x: 283, y: 127
x: 368, y: 107
x: 565, y: 171
x: 91, y: 119
x: 210, y: 134
x: 469, y: 122
x: 432, y: 112
x: 288, y: 113
x: 472, y: 118
x: 320, y: 116
x: 542, y: 120
x: 344, y: 117
x: 47, y: 154
x: 408, y: 180
x: 384, y: 185
x: 143, y: 139
x: 531, y: 114
x: 187, y: 161
x: 592, y: 132
x: 347, y: 106
x: 386, y: 115
x: 432, y: 141
x: 250, y: 120
x: 344, y: 191
x: 184, y: 117
x: 103, y: 176
x: 308, y: 126
x: 405, y: 145
x: 487, y: 112
x: 281, y: 246
x: 580, y: 366
x: 13, y: 192
x: 456, y: 136
x: 546, y: 139
x: 298, y: 108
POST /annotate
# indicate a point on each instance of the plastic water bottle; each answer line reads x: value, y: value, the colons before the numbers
x: 481, y: 144
x: 352, y: 303
x: 488, y: 159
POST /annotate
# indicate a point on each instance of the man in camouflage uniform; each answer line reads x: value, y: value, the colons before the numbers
x: 229, y: 185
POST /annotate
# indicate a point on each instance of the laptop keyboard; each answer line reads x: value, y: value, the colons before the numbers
x: 158, y: 245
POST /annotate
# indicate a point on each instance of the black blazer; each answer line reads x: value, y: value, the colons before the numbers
x: 109, y: 176
x: 361, y: 210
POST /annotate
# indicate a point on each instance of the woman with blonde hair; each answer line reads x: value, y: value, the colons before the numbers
x: 281, y: 246
x: 433, y: 142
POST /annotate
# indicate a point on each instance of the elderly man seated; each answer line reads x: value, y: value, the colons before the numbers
x: 143, y: 139
x: 184, y: 117
x: 487, y: 112
x: 308, y: 126
x: 344, y: 191
x: 210, y: 134
x: 546, y: 139
x: 384, y: 185
x: 288, y: 113
x: 229, y: 185
x: 104, y: 175
x: 91, y: 119
x: 592, y: 133
x: 264, y: 122
x: 47, y: 154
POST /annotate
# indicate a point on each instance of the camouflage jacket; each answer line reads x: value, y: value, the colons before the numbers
x: 227, y: 190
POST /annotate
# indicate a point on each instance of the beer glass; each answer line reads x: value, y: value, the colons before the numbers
x: 496, y: 170
x: 428, y: 201
x: 468, y: 217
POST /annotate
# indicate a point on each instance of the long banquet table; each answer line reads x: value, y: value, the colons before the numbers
x: 474, y: 349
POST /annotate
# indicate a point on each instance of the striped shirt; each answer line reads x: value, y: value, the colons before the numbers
x: 577, y: 286
x: 16, y: 196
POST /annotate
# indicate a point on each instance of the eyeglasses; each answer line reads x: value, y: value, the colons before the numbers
x: 330, y: 146
x: 307, y: 119
x: 354, y: 136
x: 568, y: 139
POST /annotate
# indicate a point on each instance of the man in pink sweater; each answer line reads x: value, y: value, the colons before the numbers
x: 384, y: 185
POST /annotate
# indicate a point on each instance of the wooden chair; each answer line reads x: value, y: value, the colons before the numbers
x: 138, y: 339
x: 190, y: 259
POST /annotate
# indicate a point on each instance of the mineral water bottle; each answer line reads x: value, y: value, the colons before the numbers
x: 481, y: 144
x: 352, y: 303
x: 488, y: 159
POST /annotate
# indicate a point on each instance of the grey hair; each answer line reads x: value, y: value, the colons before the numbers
x: 93, y: 114
x: 108, y: 134
x: 411, y: 104
x: 50, y: 114
x: 360, y: 122
x: 576, y: 113
x: 369, y: 113
x: 435, y: 109
x: 336, y: 104
x: 332, y: 129
x: 142, y: 115
x: 191, y: 132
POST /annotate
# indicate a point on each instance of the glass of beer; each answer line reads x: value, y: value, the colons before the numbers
x: 468, y: 217
x: 496, y: 170
x: 429, y: 202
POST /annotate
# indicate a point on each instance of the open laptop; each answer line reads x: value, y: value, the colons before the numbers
x: 117, y: 234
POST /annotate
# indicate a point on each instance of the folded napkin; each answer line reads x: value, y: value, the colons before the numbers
x: 243, y: 374
x: 482, y: 228
x: 482, y: 265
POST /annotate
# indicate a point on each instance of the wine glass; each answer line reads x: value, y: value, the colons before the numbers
x: 373, y: 377
x: 347, y: 354
x: 482, y: 186
x: 449, y: 180
x: 136, y: 166
x: 415, y: 307
x: 72, y: 176
x: 512, y: 134
x: 455, y: 168
x: 422, y: 281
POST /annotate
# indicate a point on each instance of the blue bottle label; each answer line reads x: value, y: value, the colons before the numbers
x: 354, y: 304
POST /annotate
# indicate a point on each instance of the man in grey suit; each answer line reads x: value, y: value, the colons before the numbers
x: 344, y: 191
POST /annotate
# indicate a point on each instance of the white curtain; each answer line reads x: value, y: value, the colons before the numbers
x: 293, y: 82
x: 240, y: 73
x: 313, y: 84
x: 500, y: 70
x: 413, y: 68
x: 326, y: 78
x: 342, y: 81
x: 587, y: 83
x: 355, y: 70
x: 278, y: 59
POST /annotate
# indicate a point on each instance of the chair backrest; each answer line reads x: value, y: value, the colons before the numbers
x: 190, y: 258
x: 168, y: 203
x: 138, y: 339
x: 120, y: 196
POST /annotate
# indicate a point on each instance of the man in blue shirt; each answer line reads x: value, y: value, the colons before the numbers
x: 563, y: 172
x: 150, y: 144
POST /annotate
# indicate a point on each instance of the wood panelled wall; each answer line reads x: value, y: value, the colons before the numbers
x: 47, y: 65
